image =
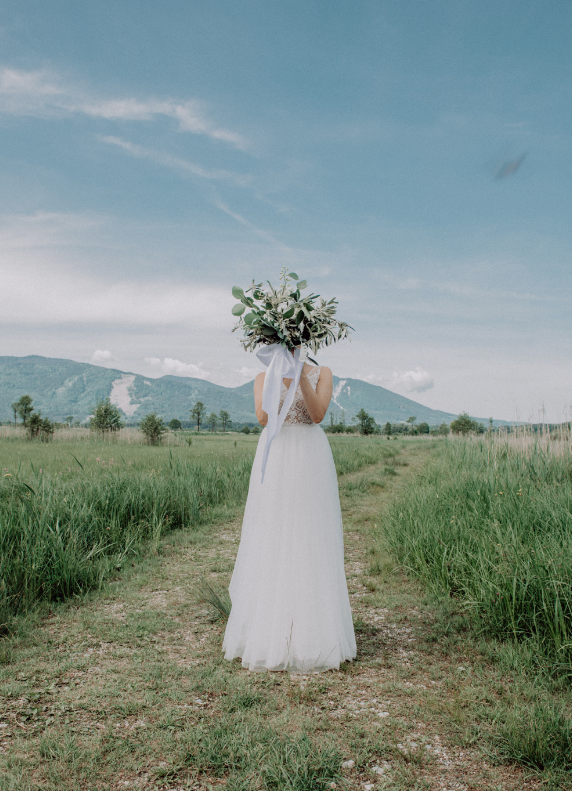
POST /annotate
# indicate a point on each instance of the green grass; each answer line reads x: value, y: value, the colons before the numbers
x: 71, y: 515
x: 489, y: 523
x: 253, y: 755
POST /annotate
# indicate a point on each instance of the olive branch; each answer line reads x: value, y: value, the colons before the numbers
x: 282, y: 315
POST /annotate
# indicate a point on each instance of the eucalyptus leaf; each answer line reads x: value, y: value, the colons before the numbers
x: 279, y: 314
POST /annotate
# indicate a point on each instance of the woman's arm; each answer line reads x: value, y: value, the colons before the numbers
x: 318, y: 401
x: 261, y: 415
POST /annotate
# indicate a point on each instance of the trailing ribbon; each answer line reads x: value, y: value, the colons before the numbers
x: 281, y: 365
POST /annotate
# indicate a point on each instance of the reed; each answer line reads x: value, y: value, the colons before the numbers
x: 489, y: 523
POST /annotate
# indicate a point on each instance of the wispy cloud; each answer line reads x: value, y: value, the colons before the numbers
x: 43, y: 93
x: 268, y: 237
x: 181, y: 165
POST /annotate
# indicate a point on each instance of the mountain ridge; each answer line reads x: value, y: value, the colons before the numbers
x: 62, y: 387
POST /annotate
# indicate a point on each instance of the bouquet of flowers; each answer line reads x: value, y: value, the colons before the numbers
x: 283, y: 316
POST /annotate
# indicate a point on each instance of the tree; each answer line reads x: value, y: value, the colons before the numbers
x: 443, y: 429
x: 212, y: 420
x: 153, y: 428
x: 245, y: 429
x: 466, y: 425
x: 175, y: 424
x: 68, y: 420
x: 24, y: 408
x: 255, y: 430
x: 15, y: 411
x: 387, y: 429
x: 224, y: 418
x: 423, y: 428
x: 365, y: 422
x: 197, y: 413
x: 40, y: 427
x: 106, y: 417
x: 410, y: 422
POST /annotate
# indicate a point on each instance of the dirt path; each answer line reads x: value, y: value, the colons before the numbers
x: 111, y: 693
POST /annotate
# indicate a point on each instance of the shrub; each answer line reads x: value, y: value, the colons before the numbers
x: 466, y: 425
x: 365, y: 423
x: 153, y: 428
x: 106, y: 417
x: 40, y: 428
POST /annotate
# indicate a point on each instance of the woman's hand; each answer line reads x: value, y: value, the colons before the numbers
x: 261, y: 415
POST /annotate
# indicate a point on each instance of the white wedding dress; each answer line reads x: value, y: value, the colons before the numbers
x: 290, y: 604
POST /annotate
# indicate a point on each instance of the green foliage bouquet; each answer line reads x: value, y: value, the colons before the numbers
x: 282, y: 315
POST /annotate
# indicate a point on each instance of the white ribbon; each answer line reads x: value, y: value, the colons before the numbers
x: 281, y: 365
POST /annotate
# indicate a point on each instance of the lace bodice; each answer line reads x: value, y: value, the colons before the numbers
x: 298, y: 414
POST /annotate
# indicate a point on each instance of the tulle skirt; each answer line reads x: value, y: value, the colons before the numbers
x: 290, y: 604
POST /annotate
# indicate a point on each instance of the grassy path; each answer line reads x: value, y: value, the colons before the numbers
x: 128, y: 689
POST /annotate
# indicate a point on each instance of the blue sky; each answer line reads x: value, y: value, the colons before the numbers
x: 411, y: 158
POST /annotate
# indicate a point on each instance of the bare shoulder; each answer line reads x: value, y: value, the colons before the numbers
x: 325, y: 372
x: 259, y: 379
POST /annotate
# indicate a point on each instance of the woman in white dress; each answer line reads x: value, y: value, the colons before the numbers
x: 290, y: 604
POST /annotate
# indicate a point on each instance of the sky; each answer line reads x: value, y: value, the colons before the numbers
x: 412, y: 159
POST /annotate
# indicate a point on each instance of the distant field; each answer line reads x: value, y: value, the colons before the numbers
x: 71, y: 513
x: 489, y: 522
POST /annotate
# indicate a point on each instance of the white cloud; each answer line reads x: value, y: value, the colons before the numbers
x: 178, y: 368
x: 248, y: 373
x: 43, y: 94
x: 415, y: 381
x: 39, y: 257
x: 102, y: 356
x: 175, y: 162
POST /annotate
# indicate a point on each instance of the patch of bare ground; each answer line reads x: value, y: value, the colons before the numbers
x: 128, y: 689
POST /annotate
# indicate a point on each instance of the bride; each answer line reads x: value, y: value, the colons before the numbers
x: 290, y: 604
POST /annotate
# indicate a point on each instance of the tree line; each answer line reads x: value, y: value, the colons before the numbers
x: 107, y: 418
x: 363, y: 423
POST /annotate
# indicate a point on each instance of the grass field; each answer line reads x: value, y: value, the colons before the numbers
x: 71, y: 514
x: 127, y: 688
x: 490, y: 524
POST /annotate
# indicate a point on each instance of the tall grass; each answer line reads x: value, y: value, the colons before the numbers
x: 70, y: 515
x: 354, y: 452
x: 59, y: 537
x: 490, y: 523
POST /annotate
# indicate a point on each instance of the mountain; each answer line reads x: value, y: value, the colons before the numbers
x: 64, y: 387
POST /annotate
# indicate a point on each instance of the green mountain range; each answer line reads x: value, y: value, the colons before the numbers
x: 64, y: 387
